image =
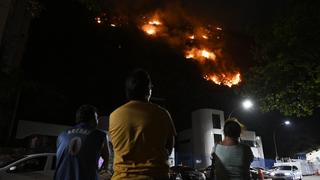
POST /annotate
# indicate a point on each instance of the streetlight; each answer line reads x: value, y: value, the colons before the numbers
x: 286, y: 123
x: 246, y: 104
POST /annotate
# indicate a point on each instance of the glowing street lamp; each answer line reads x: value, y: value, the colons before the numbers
x: 285, y: 123
x: 246, y: 104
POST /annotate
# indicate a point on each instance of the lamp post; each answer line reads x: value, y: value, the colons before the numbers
x: 246, y: 104
x: 286, y: 123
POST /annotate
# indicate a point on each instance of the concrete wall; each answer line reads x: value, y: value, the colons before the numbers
x: 203, y: 135
x: 198, y: 142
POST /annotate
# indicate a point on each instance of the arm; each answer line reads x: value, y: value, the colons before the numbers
x: 171, y: 137
x: 170, y: 144
x: 105, y: 153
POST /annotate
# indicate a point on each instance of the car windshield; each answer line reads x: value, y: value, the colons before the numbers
x: 284, y: 167
x: 6, y: 160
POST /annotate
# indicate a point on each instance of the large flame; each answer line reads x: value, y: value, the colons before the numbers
x: 203, y: 43
x: 149, y: 29
x: 200, y: 54
x: 228, y: 79
x: 152, y: 26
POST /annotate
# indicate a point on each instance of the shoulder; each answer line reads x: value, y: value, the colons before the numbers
x: 119, y: 109
x: 159, y: 108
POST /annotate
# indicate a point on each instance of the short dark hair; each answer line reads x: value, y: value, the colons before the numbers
x: 232, y: 128
x: 138, y: 84
x: 86, y: 113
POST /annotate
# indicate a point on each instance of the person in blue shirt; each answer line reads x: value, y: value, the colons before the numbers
x: 80, y: 147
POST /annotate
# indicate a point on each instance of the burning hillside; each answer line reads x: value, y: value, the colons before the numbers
x: 201, y: 43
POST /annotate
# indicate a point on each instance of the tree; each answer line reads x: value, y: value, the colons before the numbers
x: 286, y: 76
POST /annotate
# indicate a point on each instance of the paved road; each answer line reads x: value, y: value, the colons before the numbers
x: 307, y: 178
x: 311, y: 177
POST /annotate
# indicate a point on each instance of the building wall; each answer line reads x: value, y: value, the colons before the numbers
x: 203, y: 135
x: 313, y: 156
x: 206, y: 132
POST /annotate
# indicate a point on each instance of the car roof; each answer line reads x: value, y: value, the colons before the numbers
x: 40, y: 154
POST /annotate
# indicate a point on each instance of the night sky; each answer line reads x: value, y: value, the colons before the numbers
x: 71, y: 60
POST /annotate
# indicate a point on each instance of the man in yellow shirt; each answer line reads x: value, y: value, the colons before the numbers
x: 142, y: 133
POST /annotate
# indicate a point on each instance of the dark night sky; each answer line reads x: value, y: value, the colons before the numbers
x: 70, y: 61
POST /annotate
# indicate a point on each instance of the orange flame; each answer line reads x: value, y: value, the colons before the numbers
x: 152, y: 26
x: 225, y: 79
x: 204, y: 36
x: 199, y: 42
x: 149, y: 29
x: 98, y: 20
x: 200, y: 54
x: 155, y: 22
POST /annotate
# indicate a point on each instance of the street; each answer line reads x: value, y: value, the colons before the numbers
x: 307, y: 178
x: 311, y: 177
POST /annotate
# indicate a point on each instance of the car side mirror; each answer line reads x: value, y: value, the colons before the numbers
x: 12, y: 169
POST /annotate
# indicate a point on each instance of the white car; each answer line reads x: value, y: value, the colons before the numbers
x: 29, y: 167
x: 286, y: 172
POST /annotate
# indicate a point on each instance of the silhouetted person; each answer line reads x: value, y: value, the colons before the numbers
x: 232, y: 159
x: 142, y: 133
x: 80, y: 147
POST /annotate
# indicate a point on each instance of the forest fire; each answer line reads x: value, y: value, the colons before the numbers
x: 203, y: 43
x: 149, y: 29
x: 225, y: 79
x: 152, y: 27
x: 200, y: 54
x: 98, y: 20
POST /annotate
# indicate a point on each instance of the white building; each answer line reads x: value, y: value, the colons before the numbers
x: 313, y: 158
x: 194, y: 146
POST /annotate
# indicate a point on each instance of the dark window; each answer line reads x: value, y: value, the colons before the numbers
x: 216, y: 121
x: 54, y: 159
x: 30, y: 165
x: 217, y: 138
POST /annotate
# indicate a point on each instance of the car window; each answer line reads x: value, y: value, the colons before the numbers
x: 6, y: 160
x: 53, y: 164
x: 295, y: 168
x: 30, y: 165
x: 284, y: 167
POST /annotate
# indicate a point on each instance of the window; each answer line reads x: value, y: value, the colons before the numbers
x: 30, y: 165
x: 217, y: 138
x: 216, y: 121
x: 53, y: 164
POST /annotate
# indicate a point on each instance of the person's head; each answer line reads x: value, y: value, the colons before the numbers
x: 232, y: 128
x: 87, y: 114
x: 138, y: 85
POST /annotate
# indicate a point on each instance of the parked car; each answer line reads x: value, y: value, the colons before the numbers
x: 185, y: 173
x: 286, y: 172
x: 28, y: 167
x: 254, y: 172
x: 267, y: 172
